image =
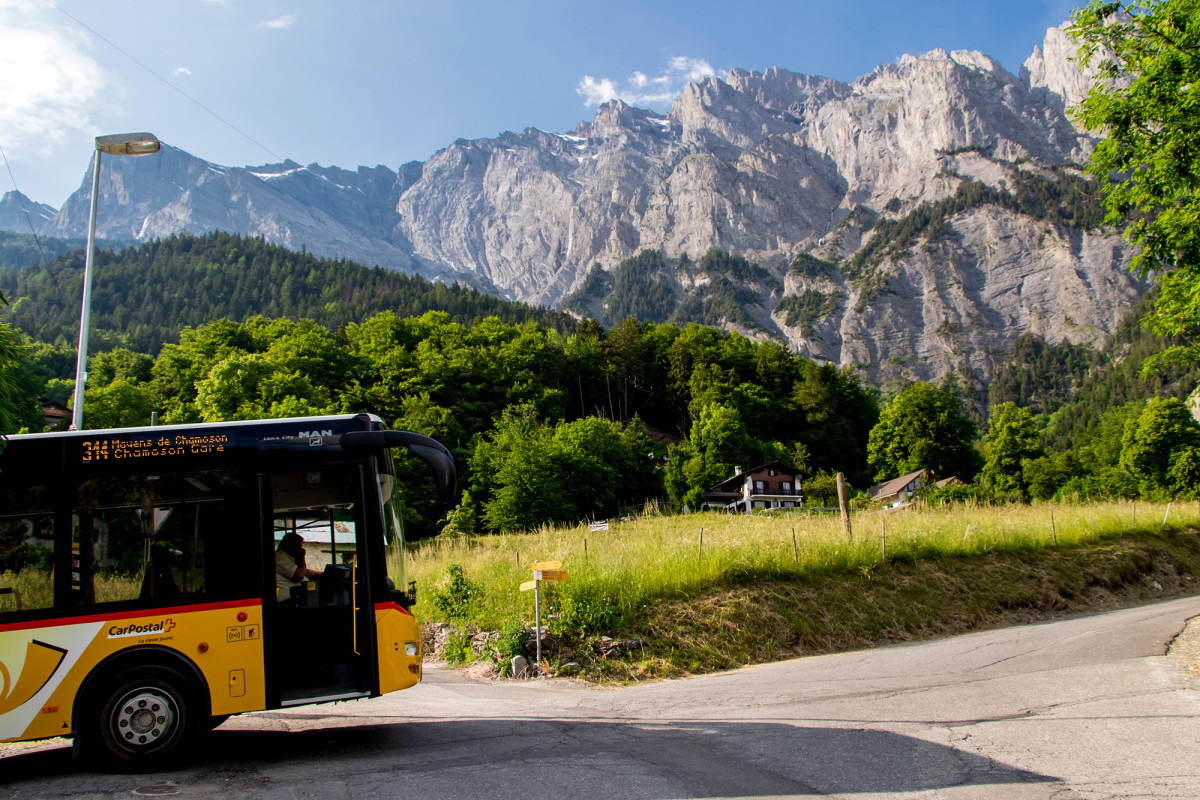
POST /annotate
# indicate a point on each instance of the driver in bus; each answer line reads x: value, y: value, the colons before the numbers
x: 290, y: 569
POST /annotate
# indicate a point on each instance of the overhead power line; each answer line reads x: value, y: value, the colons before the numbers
x: 24, y: 208
x: 198, y: 104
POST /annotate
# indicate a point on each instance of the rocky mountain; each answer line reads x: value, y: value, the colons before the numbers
x: 785, y: 170
x: 19, y: 213
x: 327, y: 210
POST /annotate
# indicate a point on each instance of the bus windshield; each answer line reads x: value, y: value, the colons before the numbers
x: 393, y: 527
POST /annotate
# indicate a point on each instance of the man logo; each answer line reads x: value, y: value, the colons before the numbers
x: 313, y: 434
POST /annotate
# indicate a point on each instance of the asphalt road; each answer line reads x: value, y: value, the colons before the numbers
x: 1085, y: 708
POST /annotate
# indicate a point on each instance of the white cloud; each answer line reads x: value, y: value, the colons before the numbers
x: 641, y: 90
x: 595, y: 92
x: 48, y: 78
x: 181, y: 71
x: 693, y: 69
x: 279, y: 23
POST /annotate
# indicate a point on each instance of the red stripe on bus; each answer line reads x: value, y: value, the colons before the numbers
x: 390, y: 604
x: 54, y: 622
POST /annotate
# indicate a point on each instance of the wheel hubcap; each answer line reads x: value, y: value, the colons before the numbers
x: 144, y: 718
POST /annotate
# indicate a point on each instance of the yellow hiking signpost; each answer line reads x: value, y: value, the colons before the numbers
x: 542, y: 571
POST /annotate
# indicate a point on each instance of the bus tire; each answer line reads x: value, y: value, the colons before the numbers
x: 141, y: 718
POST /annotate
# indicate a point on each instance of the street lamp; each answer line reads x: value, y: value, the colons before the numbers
x: 118, y: 144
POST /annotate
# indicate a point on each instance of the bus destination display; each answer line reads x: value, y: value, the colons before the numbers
x: 182, y: 444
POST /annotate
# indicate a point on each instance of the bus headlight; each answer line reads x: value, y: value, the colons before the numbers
x: 411, y: 649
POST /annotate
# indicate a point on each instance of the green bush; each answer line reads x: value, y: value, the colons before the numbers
x: 951, y: 493
x: 462, y: 520
x: 454, y: 596
x: 514, y: 637
x: 583, y: 610
x: 458, y: 648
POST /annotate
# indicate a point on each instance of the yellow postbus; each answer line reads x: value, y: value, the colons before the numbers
x: 140, y: 598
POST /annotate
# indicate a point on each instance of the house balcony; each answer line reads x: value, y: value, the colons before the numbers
x: 739, y: 503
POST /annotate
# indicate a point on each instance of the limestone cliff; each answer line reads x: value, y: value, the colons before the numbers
x: 771, y: 166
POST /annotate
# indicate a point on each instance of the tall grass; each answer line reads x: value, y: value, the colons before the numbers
x: 32, y: 588
x: 651, y: 558
x: 35, y: 588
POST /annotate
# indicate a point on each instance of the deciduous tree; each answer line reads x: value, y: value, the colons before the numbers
x: 1011, y: 440
x: 12, y: 350
x: 1161, y: 448
x: 923, y: 427
x: 1146, y: 106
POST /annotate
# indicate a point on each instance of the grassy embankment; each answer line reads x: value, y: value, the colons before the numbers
x: 35, y: 588
x: 748, y: 592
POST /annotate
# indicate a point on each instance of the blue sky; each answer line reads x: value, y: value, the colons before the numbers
x: 366, y: 82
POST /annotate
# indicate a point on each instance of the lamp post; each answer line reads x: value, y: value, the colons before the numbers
x: 118, y: 144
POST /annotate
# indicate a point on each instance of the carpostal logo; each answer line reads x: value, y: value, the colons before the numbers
x: 142, y: 629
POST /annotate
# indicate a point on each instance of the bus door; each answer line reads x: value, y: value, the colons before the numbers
x: 317, y: 632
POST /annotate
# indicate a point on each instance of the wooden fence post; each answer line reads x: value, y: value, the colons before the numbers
x: 844, y: 504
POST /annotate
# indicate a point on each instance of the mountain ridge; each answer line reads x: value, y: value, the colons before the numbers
x: 769, y: 166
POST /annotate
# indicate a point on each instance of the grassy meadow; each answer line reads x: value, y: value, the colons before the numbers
x: 34, y: 588
x: 710, y: 591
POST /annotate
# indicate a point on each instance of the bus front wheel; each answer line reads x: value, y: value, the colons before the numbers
x: 144, y: 716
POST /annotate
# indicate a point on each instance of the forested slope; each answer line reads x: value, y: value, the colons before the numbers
x: 143, y: 296
x: 223, y: 327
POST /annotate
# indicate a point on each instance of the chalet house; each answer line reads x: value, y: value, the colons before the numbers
x: 773, y: 485
x: 900, y: 491
x: 54, y: 413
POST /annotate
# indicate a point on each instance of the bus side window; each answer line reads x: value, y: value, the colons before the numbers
x: 143, y: 537
x: 26, y: 559
x: 108, y: 544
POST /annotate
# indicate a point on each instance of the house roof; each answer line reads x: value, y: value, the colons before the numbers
x: 740, y: 476
x: 895, y: 485
x: 316, y: 532
x: 953, y: 479
x: 48, y: 405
